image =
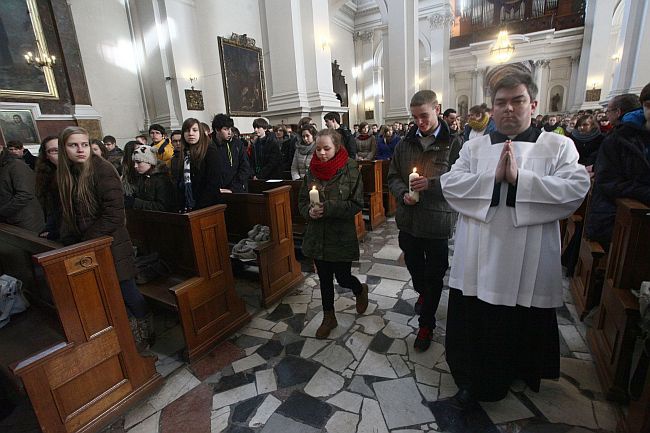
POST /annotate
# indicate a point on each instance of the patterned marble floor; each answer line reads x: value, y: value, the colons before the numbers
x: 275, y: 377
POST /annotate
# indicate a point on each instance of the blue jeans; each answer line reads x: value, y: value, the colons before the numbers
x: 136, y: 306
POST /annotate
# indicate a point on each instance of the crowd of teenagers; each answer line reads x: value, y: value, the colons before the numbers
x: 500, y: 179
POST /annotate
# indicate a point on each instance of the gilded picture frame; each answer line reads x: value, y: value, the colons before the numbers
x: 21, y: 32
x: 194, y: 99
x: 243, y: 76
x: 19, y: 125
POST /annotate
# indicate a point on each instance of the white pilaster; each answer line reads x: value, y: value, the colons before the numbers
x: 575, y: 60
x: 542, y: 98
x: 403, y: 57
x: 633, y: 71
x: 439, y: 27
x: 593, y: 57
x: 452, y: 93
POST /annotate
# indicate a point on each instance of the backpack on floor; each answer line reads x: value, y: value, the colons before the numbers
x: 12, y: 300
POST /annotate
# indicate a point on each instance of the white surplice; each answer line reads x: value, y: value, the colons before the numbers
x: 511, y: 255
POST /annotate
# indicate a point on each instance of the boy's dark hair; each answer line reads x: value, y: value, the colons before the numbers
x: 448, y: 111
x: 176, y: 132
x: 645, y: 93
x: 424, y: 97
x: 157, y: 127
x: 260, y: 123
x: 626, y: 102
x: 16, y: 144
x: 109, y: 139
x: 222, y: 121
x: 332, y: 115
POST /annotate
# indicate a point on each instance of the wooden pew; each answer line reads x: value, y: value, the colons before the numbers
x: 201, y: 287
x: 373, y: 192
x: 279, y: 271
x: 586, y: 283
x: 77, y: 361
x: 390, y: 202
x: 298, y: 222
x: 612, y: 338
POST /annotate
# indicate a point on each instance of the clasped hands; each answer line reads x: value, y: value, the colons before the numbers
x: 507, y: 167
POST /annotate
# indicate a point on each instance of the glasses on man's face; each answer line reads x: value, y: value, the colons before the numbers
x: 611, y: 110
x: 54, y: 151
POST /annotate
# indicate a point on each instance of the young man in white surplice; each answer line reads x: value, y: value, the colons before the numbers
x: 510, y: 188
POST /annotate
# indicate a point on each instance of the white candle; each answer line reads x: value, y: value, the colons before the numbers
x: 313, y: 196
x: 415, y: 195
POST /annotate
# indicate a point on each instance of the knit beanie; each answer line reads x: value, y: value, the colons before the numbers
x: 146, y: 154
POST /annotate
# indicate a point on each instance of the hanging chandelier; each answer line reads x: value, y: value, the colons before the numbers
x: 503, y: 49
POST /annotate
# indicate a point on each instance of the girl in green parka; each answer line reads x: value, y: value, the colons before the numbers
x: 331, y: 236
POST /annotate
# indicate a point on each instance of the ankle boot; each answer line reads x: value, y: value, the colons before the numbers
x: 140, y: 343
x: 362, y: 299
x: 329, y: 323
x: 147, y: 331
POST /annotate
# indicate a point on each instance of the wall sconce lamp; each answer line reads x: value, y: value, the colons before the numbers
x: 324, y: 43
x: 192, y: 79
x: 40, y: 62
x: 616, y: 57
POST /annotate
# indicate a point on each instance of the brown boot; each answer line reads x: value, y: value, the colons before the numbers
x: 329, y: 323
x: 362, y: 299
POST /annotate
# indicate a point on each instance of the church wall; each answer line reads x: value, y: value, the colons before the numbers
x: 222, y: 18
x: 342, y: 49
x: 110, y: 65
x: 560, y: 76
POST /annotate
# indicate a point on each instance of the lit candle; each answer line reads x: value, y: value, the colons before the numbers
x: 415, y: 195
x: 314, y: 199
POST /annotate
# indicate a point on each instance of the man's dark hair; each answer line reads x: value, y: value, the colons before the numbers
x: 513, y: 80
x: 176, y: 132
x: 109, y: 139
x: 424, y: 97
x: 626, y: 102
x: 645, y: 94
x: 448, y: 111
x: 260, y: 123
x: 16, y: 144
x: 222, y: 121
x: 332, y: 115
x: 157, y: 127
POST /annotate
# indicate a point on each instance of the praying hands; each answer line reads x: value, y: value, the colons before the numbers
x: 507, y: 166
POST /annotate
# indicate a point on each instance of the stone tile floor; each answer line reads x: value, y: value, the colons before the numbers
x: 274, y: 377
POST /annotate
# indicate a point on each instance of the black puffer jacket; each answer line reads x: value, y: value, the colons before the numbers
x: 622, y: 171
x: 18, y: 203
x: 155, y: 191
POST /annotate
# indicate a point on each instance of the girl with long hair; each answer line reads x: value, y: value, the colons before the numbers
x: 92, y: 203
x: 198, y: 182
x: 331, y: 236
x: 304, y: 152
x: 129, y: 175
x: 46, y: 186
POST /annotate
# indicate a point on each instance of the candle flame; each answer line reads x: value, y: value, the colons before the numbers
x: 415, y: 169
x: 313, y: 188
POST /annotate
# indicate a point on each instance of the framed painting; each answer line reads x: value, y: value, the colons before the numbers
x: 18, y: 125
x: 243, y: 76
x: 21, y: 32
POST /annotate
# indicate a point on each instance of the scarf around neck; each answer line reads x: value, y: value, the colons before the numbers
x: 479, y: 125
x: 577, y: 135
x: 326, y: 170
x: 305, y: 149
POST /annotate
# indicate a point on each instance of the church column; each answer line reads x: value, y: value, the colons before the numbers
x: 542, y: 106
x: 364, y: 43
x: 377, y: 80
x: 403, y: 54
x: 302, y: 74
x: 159, y: 79
x: 452, y: 93
x: 593, y: 57
x: 478, y: 90
x: 633, y: 70
x: 575, y: 60
x: 439, y: 27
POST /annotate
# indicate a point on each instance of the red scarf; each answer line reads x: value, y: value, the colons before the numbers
x: 327, y: 170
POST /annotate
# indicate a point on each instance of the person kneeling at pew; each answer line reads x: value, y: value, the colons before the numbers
x: 330, y: 196
x: 92, y: 202
x: 154, y: 189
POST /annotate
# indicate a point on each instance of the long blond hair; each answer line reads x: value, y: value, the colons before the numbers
x: 75, y: 181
